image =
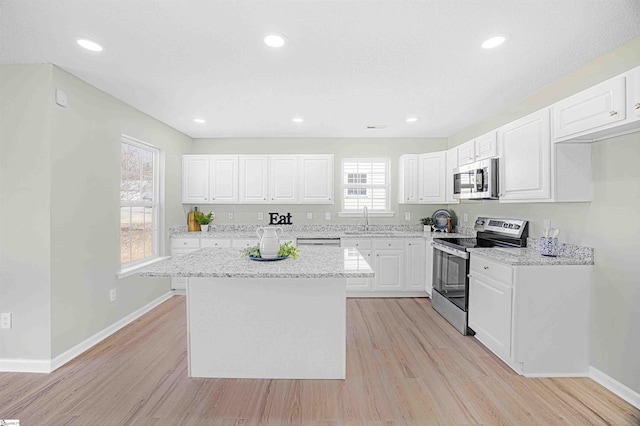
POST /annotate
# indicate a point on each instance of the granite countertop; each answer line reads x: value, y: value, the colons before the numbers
x: 312, y: 262
x: 530, y: 256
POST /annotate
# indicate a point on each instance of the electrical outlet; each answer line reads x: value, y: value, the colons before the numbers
x: 309, y: 215
x: 260, y: 215
x: 230, y: 215
x: 465, y: 217
x: 5, y: 320
x: 113, y: 295
x: 407, y: 215
x: 327, y: 216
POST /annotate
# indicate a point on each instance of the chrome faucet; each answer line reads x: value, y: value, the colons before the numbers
x: 365, y: 212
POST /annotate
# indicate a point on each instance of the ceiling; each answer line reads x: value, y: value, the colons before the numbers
x: 347, y: 64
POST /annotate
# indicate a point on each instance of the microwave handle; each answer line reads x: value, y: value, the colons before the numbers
x: 479, y: 178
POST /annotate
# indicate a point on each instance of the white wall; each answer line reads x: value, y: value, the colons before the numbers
x: 340, y: 148
x: 25, y: 206
x: 60, y: 257
x: 609, y: 223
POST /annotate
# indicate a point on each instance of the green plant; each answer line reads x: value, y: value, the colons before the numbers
x: 286, y: 249
x: 203, y: 219
x: 426, y: 221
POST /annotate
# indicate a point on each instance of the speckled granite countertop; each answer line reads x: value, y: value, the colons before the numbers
x: 530, y: 256
x: 317, y: 231
x: 312, y: 262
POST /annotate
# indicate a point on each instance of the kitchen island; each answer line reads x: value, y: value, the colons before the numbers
x: 281, y: 319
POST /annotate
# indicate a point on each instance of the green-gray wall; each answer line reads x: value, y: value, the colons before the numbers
x: 609, y: 223
x: 340, y: 148
x: 65, y: 162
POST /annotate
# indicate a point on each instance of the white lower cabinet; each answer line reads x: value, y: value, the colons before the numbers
x: 398, y: 264
x: 428, y: 272
x: 535, y: 318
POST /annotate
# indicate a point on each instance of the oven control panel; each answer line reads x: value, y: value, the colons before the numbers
x: 512, y: 227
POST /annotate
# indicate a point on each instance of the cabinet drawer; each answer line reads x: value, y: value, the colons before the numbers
x: 242, y: 243
x: 488, y: 268
x: 180, y: 243
x: 391, y: 244
x: 355, y: 242
x: 215, y: 242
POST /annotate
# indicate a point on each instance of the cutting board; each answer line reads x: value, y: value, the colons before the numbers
x: 192, y: 225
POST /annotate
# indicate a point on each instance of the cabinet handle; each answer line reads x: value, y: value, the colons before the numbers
x: 486, y: 267
x: 377, y: 255
x: 357, y: 245
x: 389, y: 244
x: 612, y: 113
x: 637, y: 106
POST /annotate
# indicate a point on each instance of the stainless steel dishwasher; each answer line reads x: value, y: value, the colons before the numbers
x: 331, y: 242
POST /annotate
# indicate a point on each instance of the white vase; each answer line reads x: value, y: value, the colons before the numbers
x: 204, y: 228
x: 269, y: 241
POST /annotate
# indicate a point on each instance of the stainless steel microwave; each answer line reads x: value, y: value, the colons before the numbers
x: 476, y: 181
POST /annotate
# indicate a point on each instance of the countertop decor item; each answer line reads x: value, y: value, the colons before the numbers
x: 192, y: 225
x: 203, y: 220
x: 265, y: 259
x: 269, y: 241
x: 441, y: 219
x: 428, y: 224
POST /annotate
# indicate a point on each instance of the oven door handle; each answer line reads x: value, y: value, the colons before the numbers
x: 450, y: 250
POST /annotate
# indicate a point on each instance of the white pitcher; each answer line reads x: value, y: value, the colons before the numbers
x: 269, y: 241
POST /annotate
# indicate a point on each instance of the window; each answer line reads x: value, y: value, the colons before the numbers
x: 365, y: 182
x: 139, y: 194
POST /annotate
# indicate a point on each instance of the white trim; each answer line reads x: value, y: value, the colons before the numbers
x: 624, y: 392
x: 132, y: 270
x: 370, y: 214
x: 48, y: 366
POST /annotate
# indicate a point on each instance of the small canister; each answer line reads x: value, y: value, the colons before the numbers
x: 549, y: 246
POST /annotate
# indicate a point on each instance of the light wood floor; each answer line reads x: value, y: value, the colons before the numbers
x: 405, y: 365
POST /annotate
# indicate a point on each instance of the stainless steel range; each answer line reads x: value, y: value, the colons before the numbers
x: 451, y: 265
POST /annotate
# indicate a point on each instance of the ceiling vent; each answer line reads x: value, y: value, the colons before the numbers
x: 377, y: 127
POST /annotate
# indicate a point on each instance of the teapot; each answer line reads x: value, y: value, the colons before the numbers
x: 269, y: 241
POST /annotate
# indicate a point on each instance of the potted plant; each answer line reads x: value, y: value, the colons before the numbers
x: 204, y: 220
x: 428, y: 224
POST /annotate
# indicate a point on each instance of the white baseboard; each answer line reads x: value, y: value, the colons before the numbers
x: 624, y: 392
x: 47, y: 366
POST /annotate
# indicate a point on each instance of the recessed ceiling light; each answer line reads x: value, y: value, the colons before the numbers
x: 89, y: 45
x: 298, y: 120
x: 275, y: 40
x: 412, y: 119
x: 494, y: 41
x: 200, y: 120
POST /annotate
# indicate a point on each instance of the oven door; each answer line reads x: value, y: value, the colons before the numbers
x: 450, y: 277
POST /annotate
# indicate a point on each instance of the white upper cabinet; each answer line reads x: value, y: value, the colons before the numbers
x: 283, y: 178
x: 253, y: 180
x: 195, y: 178
x: 478, y: 149
x: 431, y: 178
x: 598, y: 106
x: 633, y: 94
x: 316, y: 179
x: 223, y: 179
x: 451, y: 164
x: 408, y: 173
x: 525, y: 166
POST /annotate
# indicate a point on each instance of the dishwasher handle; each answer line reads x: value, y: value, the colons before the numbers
x: 334, y: 242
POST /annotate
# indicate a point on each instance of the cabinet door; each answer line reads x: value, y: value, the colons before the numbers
x: 355, y: 255
x: 415, y: 267
x: 451, y: 164
x: 466, y: 153
x: 633, y: 93
x: 316, y: 179
x: 253, y: 179
x: 597, y: 106
x: 486, y: 146
x: 490, y: 314
x: 195, y: 179
x: 525, y: 151
x: 431, y: 178
x: 283, y: 179
x: 223, y: 179
x: 408, y: 188
x: 389, y: 266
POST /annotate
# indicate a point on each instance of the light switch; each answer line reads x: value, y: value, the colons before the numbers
x: 407, y: 215
x: 309, y: 215
x: 465, y: 217
x: 5, y: 320
x: 230, y: 215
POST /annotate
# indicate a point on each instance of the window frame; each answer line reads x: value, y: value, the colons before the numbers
x: 157, y: 205
x: 387, y: 186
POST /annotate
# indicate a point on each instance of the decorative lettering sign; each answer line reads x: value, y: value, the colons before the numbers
x: 280, y: 219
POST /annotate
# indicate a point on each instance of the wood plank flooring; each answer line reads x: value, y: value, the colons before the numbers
x: 405, y: 366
